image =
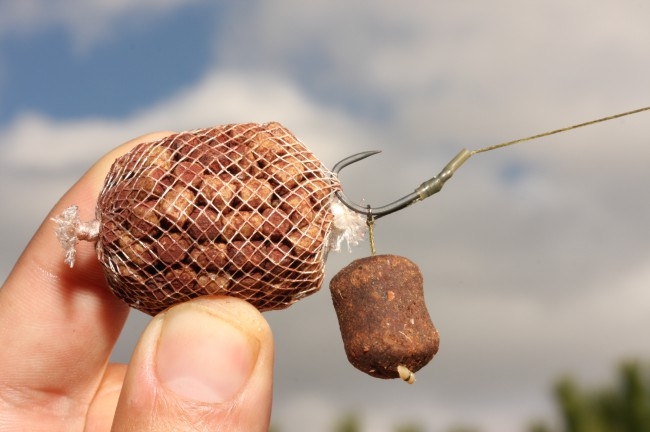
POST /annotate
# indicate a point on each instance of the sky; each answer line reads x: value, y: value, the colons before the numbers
x: 535, y: 257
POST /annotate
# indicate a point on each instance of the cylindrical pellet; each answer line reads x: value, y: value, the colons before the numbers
x: 379, y: 301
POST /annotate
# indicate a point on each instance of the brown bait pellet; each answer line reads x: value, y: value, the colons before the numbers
x: 384, y: 322
x: 241, y: 210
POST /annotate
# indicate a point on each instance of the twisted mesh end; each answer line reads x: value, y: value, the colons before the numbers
x: 70, y: 230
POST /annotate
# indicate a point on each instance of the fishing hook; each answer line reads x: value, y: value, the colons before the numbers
x: 423, y: 191
x: 434, y: 184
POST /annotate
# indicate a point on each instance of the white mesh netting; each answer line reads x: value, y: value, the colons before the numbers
x: 243, y: 210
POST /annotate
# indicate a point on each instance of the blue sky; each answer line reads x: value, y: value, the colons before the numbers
x: 44, y: 73
x: 43, y: 70
x: 534, y: 257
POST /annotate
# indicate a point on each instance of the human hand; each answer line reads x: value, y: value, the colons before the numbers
x: 203, y: 365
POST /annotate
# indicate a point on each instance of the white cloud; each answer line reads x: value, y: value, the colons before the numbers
x: 405, y: 50
x: 33, y: 141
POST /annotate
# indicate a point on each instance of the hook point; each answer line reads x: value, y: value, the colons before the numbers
x: 352, y: 159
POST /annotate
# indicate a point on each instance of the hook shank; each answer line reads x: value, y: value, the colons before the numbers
x: 423, y: 191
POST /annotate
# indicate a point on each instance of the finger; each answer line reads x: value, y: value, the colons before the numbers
x: 102, y: 408
x: 202, y: 365
x: 58, y: 325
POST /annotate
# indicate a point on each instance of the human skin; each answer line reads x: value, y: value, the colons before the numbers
x: 202, y: 365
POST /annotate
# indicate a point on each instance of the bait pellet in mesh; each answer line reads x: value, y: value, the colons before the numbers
x: 240, y: 210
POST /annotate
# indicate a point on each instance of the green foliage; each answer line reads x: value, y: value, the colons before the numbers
x: 350, y: 422
x: 623, y: 407
x: 538, y: 426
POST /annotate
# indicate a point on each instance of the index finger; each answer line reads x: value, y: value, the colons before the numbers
x: 58, y: 325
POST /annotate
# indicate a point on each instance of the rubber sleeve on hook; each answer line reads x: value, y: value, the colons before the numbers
x: 434, y: 185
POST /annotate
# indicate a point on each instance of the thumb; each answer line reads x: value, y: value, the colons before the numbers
x: 202, y: 365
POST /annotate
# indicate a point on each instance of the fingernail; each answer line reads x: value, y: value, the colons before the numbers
x: 202, y: 356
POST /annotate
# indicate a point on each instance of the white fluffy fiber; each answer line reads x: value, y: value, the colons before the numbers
x: 348, y: 226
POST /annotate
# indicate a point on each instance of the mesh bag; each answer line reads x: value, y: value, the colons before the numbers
x: 243, y: 210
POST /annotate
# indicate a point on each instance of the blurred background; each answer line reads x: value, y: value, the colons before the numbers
x: 535, y: 257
